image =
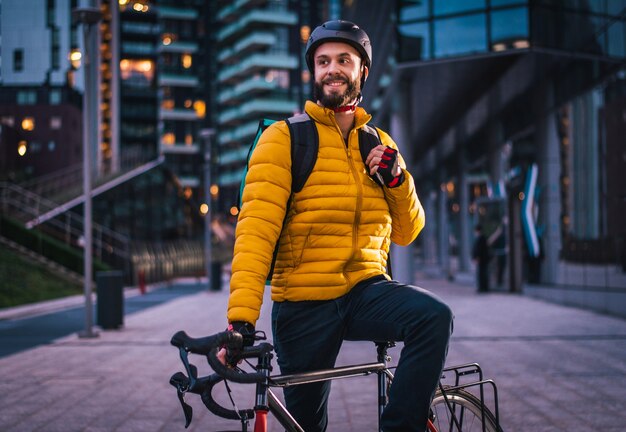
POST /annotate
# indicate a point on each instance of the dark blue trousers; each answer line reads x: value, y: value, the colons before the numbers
x: 308, y: 335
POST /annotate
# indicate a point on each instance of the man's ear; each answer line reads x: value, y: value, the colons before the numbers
x: 365, y: 72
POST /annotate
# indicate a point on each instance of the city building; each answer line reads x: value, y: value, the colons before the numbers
x: 511, y: 111
x: 40, y: 97
x: 260, y: 73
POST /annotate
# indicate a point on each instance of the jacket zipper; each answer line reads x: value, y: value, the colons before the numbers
x: 359, y: 203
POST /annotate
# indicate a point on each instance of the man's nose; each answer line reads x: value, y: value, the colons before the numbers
x: 333, y: 67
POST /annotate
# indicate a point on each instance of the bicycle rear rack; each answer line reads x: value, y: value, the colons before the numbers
x: 465, y: 370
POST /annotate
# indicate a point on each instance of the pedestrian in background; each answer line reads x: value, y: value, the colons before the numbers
x: 481, y: 256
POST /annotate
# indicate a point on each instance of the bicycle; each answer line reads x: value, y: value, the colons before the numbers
x: 453, y: 407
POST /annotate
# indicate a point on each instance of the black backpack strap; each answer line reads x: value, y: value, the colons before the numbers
x: 304, y: 148
x: 369, y: 139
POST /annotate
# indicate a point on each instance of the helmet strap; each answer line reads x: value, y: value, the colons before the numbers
x: 349, y: 108
x: 345, y: 108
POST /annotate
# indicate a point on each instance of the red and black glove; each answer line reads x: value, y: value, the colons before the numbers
x: 387, y: 166
x: 245, y: 329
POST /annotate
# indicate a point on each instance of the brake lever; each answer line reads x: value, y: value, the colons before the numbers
x: 181, y: 382
x: 192, y: 371
x: 187, y: 409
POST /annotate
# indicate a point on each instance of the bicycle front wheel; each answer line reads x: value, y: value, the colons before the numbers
x: 466, y: 409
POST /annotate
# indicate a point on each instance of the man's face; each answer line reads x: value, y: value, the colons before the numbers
x: 337, y: 74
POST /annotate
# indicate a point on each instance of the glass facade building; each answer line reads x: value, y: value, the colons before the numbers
x: 481, y: 96
x: 430, y: 30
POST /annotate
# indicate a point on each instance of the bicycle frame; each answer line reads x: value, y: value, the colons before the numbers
x: 282, y: 414
x: 266, y: 401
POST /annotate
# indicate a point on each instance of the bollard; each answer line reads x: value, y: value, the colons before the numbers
x: 141, y: 277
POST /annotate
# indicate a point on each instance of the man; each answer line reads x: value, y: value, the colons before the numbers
x: 330, y: 282
x: 481, y: 256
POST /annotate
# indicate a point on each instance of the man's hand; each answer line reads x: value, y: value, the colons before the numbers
x: 247, y: 331
x: 383, y: 162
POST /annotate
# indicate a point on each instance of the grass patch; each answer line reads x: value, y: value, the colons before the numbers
x: 23, y: 282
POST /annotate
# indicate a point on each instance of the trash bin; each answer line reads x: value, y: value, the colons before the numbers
x: 110, y: 302
x: 216, y: 276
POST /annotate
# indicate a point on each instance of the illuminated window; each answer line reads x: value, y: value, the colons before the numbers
x: 167, y: 104
x: 137, y: 73
x: 21, y: 148
x: 186, y: 60
x: 75, y: 58
x: 8, y: 120
x: 305, y: 32
x: 234, y: 211
x: 188, y: 192
x: 169, y: 138
x: 28, y: 124
x: 204, y: 208
x: 200, y: 108
x: 189, y: 139
x: 168, y: 38
x: 188, y: 103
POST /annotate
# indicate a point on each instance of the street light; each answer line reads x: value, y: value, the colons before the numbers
x: 88, y: 17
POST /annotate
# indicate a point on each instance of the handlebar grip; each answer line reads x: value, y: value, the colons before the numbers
x: 209, y: 347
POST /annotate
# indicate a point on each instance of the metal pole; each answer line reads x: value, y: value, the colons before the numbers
x: 207, y: 135
x: 87, y: 17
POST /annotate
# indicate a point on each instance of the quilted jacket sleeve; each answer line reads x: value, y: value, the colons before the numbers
x: 407, y: 213
x: 264, y: 203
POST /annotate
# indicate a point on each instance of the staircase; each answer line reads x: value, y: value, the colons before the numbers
x: 45, y: 203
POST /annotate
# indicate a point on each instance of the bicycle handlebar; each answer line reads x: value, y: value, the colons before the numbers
x: 209, y: 347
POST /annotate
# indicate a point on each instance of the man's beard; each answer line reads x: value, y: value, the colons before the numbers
x: 336, y: 99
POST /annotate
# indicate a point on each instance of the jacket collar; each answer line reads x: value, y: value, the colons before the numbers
x: 326, y: 116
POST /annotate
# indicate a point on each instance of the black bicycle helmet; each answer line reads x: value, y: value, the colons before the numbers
x: 339, y: 31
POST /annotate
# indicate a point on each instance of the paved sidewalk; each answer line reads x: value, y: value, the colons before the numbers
x: 557, y: 369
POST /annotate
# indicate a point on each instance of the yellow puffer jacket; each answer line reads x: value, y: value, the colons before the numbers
x: 338, y: 229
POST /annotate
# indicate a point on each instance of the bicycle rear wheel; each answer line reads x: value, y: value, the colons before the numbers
x: 467, y: 410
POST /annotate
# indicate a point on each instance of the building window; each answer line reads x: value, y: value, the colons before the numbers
x: 8, y: 121
x: 186, y: 60
x: 50, y: 12
x: 200, y: 107
x: 460, y: 35
x: 26, y: 97
x: 75, y: 58
x: 137, y: 73
x: 55, y: 123
x: 457, y: 6
x: 509, y: 28
x: 18, y: 60
x: 54, y: 97
x: 22, y: 148
x: 28, y: 124
x: 169, y: 138
x: 51, y: 146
